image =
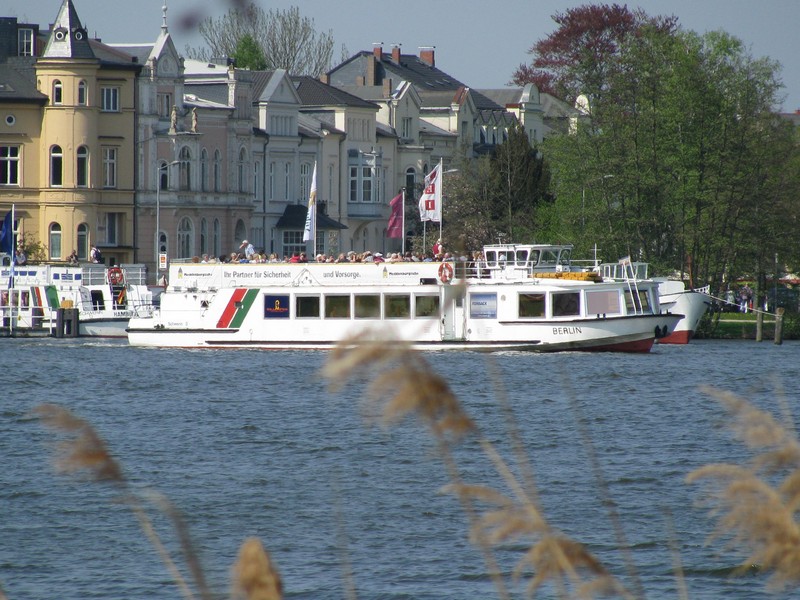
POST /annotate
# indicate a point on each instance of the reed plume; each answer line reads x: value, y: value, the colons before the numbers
x: 254, y: 575
x: 84, y: 451
x: 403, y: 384
x: 756, y: 504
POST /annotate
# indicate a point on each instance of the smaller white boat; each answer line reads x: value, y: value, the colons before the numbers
x: 64, y: 300
x: 673, y: 295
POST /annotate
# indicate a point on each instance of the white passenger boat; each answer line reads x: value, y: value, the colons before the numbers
x: 674, y: 296
x: 96, y: 300
x: 518, y: 297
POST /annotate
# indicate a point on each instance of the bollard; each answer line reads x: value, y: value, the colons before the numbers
x: 779, y: 326
x: 759, y: 326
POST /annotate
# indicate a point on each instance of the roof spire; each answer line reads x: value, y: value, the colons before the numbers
x: 164, y: 17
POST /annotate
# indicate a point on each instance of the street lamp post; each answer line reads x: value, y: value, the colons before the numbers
x: 583, y: 198
x: 160, y: 168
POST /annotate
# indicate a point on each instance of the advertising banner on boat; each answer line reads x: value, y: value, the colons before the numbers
x: 483, y: 306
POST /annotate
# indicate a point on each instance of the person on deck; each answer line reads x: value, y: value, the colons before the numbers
x: 249, y: 250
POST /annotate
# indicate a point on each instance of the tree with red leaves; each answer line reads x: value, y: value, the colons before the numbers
x: 578, y: 57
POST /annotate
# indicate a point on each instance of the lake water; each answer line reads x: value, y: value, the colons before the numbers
x: 252, y: 443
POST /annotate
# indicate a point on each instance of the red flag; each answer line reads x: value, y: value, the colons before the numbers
x: 395, y: 228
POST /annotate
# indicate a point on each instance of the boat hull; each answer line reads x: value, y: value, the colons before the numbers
x: 690, y: 303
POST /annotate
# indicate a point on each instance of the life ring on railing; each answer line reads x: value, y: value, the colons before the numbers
x: 116, y: 276
x: 445, y: 272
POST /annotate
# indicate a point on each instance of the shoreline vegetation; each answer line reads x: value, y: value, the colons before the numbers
x: 753, y: 503
x: 743, y: 326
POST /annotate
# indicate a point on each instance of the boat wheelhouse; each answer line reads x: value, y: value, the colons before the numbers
x: 95, y: 299
x: 532, y: 302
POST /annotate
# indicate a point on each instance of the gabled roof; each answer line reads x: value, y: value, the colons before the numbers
x: 313, y: 92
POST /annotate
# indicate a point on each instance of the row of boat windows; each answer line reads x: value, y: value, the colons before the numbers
x: 481, y: 305
x: 363, y: 306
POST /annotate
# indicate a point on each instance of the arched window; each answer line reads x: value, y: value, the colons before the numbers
x: 204, y: 170
x: 242, y: 178
x: 185, y: 173
x: 58, y: 92
x: 203, y: 236
x: 185, y: 238
x: 82, y: 236
x: 217, y: 171
x: 240, y: 232
x: 217, y: 242
x: 56, y: 167
x: 82, y: 164
x: 163, y: 176
x: 55, y: 241
x: 83, y: 99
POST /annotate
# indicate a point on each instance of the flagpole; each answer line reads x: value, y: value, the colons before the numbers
x: 441, y: 195
x: 403, y: 246
x: 11, y: 302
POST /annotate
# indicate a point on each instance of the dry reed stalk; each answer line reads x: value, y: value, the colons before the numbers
x: 751, y: 510
x: 254, y: 575
x: 86, y: 452
x: 403, y: 384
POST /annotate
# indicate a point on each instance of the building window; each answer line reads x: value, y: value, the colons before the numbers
x: 24, y: 42
x: 185, y: 169
x: 242, y: 180
x: 305, y: 180
x: 163, y: 176
x: 82, y: 94
x: 203, y: 236
x: 55, y: 241
x: 9, y: 165
x: 82, y: 235
x: 411, y: 183
x: 204, y: 170
x: 365, y: 177
x: 272, y: 181
x: 109, y: 167
x: 185, y: 238
x: 58, y: 92
x: 164, y: 105
x: 217, y: 237
x: 406, y: 127
x: 113, y: 227
x: 82, y: 176
x: 293, y: 243
x: 110, y: 99
x: 217, y: 171
x: 56, y: 167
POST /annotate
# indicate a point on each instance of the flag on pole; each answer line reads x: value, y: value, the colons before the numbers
x: 430, y: 203
x: 310, y: 232
x: 395, y: 228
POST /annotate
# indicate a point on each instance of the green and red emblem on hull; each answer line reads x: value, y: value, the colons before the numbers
x: 237, y: 308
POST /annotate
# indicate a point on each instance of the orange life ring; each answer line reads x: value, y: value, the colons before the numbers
x: 445, y: 272
x: 116, y: 276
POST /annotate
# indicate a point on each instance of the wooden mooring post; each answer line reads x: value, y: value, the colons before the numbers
x: 779, y: 326
x: 66, y: 322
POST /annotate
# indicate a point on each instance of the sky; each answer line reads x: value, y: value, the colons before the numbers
x: 478, y: 42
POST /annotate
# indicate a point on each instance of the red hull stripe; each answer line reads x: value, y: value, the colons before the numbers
x: 677, y: 337
x: 230, y: 309
x: 238, y: 306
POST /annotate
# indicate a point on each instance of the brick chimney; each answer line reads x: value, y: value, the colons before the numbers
x: 396, y: 54
x: 387, y: 87
x: 377, y: 51
x: 426, y: 55
x: 372, y: 67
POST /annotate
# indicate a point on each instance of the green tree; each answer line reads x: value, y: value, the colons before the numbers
x: 248, y: 54
x: 677, y: 160
x: 286, y: 39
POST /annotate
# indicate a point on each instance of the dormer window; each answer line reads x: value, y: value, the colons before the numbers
x: 79, y: 35
x: 60, y: 34
x: 25, y: 42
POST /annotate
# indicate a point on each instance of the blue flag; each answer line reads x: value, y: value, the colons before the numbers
x: 7, y: 234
